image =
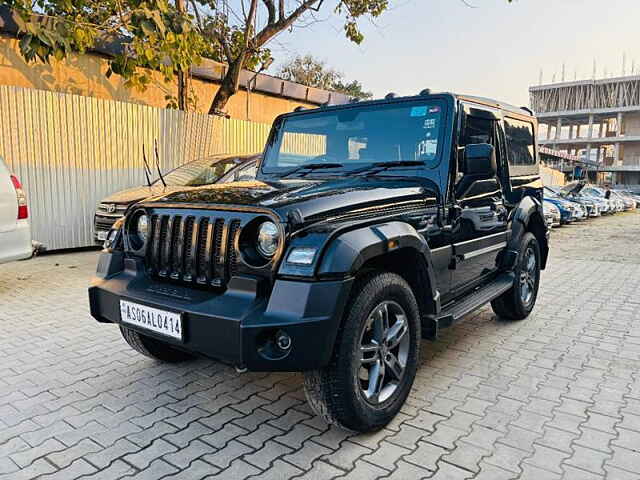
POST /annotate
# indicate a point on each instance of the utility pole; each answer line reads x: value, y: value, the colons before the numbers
x: 183, y: 77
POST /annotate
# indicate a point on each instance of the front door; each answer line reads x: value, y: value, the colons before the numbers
x: 479, y: 229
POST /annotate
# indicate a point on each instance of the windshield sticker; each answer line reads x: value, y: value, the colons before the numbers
x: 427, y: 148
x: 419, y: 111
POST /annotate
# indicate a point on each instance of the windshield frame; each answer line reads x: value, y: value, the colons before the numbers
x: 275, y: 139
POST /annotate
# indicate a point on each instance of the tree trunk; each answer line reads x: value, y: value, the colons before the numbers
x: 183, y: 77
x: 183, y: 90
x: 228, y: 87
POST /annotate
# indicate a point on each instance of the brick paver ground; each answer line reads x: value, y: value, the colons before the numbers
x: 556, y: 396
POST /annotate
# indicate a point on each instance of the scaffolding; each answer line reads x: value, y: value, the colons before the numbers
x: 608, y: 93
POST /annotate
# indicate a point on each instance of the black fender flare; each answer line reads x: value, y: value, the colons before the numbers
x: 347, y: 252
x: 528, y: 209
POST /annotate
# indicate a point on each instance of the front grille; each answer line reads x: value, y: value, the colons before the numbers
x: 192, y: 249
x: 104, y: 223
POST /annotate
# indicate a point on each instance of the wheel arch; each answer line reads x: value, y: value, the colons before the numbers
x: 529, y: 217
x: 394, y: 247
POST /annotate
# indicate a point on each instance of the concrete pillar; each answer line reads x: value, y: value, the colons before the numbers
x: 558, y: 128
x: 616, y: 155
x: 590, y: 133
x: 587, y: 152
x: 619, y: 124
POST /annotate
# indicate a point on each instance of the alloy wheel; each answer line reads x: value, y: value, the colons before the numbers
x: 528, y: 276
x: 384, y: 349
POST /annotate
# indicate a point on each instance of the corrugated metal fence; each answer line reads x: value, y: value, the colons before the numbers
x: 71, y: 151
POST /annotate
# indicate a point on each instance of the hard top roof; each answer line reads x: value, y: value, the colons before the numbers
x: 468, y: 98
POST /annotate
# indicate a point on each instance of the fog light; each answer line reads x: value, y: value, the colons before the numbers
x: 283, y: 340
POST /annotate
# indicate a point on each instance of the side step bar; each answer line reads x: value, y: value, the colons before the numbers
x: 431, y: 324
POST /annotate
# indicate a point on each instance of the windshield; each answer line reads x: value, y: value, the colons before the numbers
x: 201, y: 172
x: 358, y: 136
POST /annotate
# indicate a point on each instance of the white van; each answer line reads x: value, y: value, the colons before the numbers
x: 15, y: 231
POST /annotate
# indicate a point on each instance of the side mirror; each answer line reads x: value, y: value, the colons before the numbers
x: 480, y: 160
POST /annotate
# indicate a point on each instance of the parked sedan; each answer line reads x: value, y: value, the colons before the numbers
x: 615, y: 204
x: 628, y: 203
x: 15, y: 231
x: 205, y: 171
x: 551, y: 214
x: 595, y: 206
x: 569, y: 211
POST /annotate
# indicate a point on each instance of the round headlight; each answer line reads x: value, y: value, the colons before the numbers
x: 142, y: 227
x: 268, y: 239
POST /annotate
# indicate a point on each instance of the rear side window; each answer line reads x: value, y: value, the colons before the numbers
x: 520, y: 142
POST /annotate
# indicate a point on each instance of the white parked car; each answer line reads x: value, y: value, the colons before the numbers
x: 15, y: 231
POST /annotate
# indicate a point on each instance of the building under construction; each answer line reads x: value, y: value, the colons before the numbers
x: 595, y: 121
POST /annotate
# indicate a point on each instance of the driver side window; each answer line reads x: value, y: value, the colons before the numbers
x: 476, y: 130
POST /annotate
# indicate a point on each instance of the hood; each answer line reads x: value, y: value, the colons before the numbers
x: 558, y: 202
x: 573, y: 187
x: 310, y: 199
x: 137, y: 194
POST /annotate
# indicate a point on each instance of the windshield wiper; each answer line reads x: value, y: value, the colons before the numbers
x: 309, y: 167
x: 147, y: 169
x: 377, y: 167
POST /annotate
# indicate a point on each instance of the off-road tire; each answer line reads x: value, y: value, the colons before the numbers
x: 334, y: 392
x: 152, y: 348
x: 510, y: 305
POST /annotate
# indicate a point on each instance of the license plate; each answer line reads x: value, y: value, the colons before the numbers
x: 102, y: 235
x: 149, y: 318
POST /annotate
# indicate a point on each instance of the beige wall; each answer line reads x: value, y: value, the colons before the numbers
x: 551, y: 176
x: 85, y: 75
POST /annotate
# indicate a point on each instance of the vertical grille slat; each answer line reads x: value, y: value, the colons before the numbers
x: 165, y: 228
x: 192, y: 248
x: 232, y: 261
x: 178, y: 246
x: 219, y: 252
x: 204, y: 252
x: 155, y: 241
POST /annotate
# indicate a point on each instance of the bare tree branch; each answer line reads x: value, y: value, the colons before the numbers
x: 197, y: 15
x: 270, y: 30
x: 281, y: 12
x: 271, y: 8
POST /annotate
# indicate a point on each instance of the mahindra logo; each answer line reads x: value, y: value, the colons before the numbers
x: 110, y: 208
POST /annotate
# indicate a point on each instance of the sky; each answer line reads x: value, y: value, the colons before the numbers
x: 491, y: 48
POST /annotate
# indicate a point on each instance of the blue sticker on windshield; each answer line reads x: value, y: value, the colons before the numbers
x: 419, y: 111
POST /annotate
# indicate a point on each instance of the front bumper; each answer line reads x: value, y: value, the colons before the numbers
x: 236, y: 325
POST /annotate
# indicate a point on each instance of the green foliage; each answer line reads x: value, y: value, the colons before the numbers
x: 353, y: 89
x: 309, y: 71
x: 312, y: 72
x: 170, y: 37
x: 156, y: 35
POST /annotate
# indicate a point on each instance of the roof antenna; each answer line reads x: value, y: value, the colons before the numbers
x: 147, y: 170
x: 155, y: 142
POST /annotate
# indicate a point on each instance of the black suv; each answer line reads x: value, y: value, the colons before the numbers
x: 369, y: 225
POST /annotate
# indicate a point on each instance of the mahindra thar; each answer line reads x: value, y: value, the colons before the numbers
x: 369, y: 226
